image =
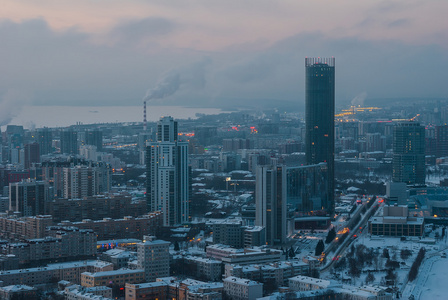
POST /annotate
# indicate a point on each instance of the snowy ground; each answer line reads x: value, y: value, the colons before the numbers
x: 432, y: 271
x: 434, y: 286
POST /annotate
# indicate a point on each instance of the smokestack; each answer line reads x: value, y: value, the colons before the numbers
x: 144, y: 115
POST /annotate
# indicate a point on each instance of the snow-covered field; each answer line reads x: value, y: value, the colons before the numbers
x: 435, y: 287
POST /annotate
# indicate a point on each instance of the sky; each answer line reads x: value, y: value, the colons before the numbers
x: 210, y: 53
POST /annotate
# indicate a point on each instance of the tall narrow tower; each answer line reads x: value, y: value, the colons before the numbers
x: 319, y: 113
x: 167, y: 174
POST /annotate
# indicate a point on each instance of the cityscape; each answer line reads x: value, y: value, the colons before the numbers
x: 223, y: 180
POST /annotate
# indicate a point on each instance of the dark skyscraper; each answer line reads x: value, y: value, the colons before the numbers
x: 409, y: 153
x: 319, y: 113
x: 95, y: 137
x: 45, y: 139
x: 69, y: 141
x: 32, y: 154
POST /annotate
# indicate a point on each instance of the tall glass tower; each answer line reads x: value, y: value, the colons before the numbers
x: 319, y: 114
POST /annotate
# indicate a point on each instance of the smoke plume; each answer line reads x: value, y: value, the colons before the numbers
x: 11, y: 104
x: 191, y: 77
x: 359, y: 99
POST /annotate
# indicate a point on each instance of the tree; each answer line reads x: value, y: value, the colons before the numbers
x: 269, y: 286
x: 392, y: 264
x: 370, y: 278
x: 330, y: 236
x: 176, y: 246
x: 416, y: 265
x: 341, y: 264
x: 314, y: 273
x: 353, y: 268
x: 391, y: 276
x: 320, y: 247
x: 292, y: 254
x: 405, y: 254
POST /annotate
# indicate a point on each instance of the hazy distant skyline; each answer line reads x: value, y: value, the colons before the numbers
x: 217, y: 53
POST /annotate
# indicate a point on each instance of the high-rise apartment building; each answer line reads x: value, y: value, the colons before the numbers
x: 167, y: 174
x: 44, y: 138
x: 95, y: 138
x: 84, y: 181
x: 409, y: 153
x: 441, y: 136
x: 69, y: 141
x: 32, y: 154
x: 153, y: 256
x: 29, y: 197
x: 319, y: 113
x: 271, y: 203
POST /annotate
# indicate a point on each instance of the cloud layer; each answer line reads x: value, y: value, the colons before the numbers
x: 231, y: 53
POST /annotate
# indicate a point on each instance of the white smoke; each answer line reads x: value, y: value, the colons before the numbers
x: 11, y: 104
x: 167, y: 86
x: 192, y: 76
x: 359, y: 99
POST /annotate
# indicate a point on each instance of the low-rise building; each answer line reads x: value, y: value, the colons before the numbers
x: 125, y: 228
x: 65, y: 242
x: 77, y: 292
x: 242, y: 289
x: 118, y: 257
x: 31, y: 227
x: 305, y: 283
x: 18, y: 291
x: 280, y: 272
x: 209, y: 269
x: 396, y: 222
x: 245, y: 256
x: 120, y: 277
x: 70, y: 271
x: 147, y: 291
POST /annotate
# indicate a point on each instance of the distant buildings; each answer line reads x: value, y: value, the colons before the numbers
x: 319, y: 114
x: 167, y: 174
x: 409, y: 153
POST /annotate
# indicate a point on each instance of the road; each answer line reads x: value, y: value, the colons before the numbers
x: 349, y: 238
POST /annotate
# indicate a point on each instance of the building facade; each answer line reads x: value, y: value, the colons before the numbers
x: 319, y: 114
x: 409, y: 153
x: 167, y: 174
x: 69, y: 141
x: 153, y: 256
x: 271, y: 203
x: 29, y: 197
x: 285, y: 192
